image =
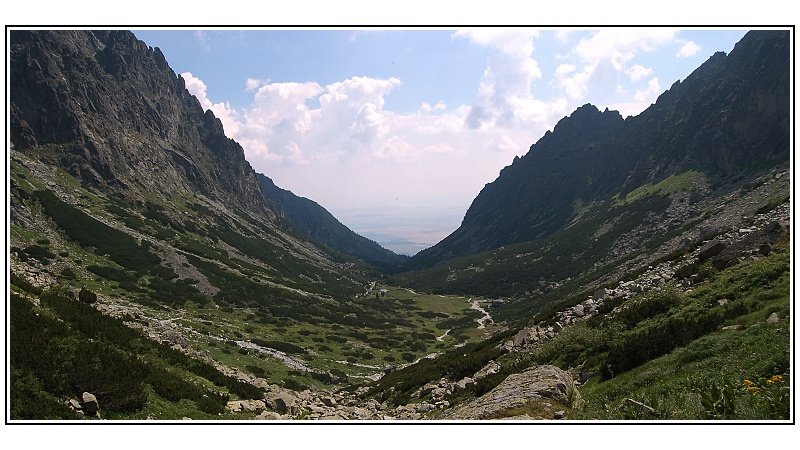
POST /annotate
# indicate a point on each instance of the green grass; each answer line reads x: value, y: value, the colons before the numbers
x: 666, y: 349
x: 674, y: 183
x: 674, y: 384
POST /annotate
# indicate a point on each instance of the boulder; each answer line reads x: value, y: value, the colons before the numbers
x: 426, y: 389
x: 440, y: 392
x: 765, y: 249
x: 246, y: 405
x: 284, y: 403
x: 578, y: 310
x: 89, y: 404
x: 522, y: 338
x: 602, y: 294
x: 465, y: 383
x: 710, y: 249
x: 268, y: 415
x: 330, y: 402
x: 721, y: 262
x: 423, y: 407
x: 74, y: 405
x: 774, y: 318
x: 490, y: 368
x: 537, y: 388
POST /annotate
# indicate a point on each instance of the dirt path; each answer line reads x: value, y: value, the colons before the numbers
x: 441, y: 338
x: 475, y: 304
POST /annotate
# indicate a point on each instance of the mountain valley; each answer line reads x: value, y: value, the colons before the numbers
x: 623, y: 269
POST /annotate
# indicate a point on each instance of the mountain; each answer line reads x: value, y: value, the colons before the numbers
x: 115, y: 155
x: 727, y: 120
x: 314, y: 221
x: 108, y: 109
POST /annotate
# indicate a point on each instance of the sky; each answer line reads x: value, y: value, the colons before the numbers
x: 395, y: 131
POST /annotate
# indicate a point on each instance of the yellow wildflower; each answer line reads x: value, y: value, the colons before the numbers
x: 775, y: 379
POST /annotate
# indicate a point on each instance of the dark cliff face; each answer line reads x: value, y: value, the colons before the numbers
x: 109, y: 109
x: 728, y: 119
x: 314, y: 221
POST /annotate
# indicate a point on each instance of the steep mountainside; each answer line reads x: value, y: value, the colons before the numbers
x: 108, y: 109
x: 728, y: 120
x: 104, y: 111
x: 311, y: 219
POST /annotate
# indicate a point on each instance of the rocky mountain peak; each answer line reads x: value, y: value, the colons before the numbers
x: 728, y: 120
x: 108, y: 108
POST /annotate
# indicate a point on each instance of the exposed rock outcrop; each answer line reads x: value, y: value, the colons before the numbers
x: 538, y: 392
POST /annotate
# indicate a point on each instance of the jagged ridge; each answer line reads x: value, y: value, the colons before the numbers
x: 728, y: 119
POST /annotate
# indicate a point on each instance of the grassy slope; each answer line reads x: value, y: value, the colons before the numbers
x: 670, y: 352
x: 317, y: 320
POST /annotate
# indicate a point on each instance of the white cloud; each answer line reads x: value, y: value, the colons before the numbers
x: 688, y: 49
x: 252, y: 84
x: 514, y: 41
x: 564, y: 69
x: 222, y: 110
x: 505, y: 96
x: 637, y: 72
x: 650, y: 93
x: 620, y: 45
x: 607, y: 58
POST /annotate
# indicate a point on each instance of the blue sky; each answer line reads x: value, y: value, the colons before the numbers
x: 395, y: 131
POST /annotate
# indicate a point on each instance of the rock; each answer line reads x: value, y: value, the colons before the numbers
x: 765, y: 249
x: 710, y: 249
x: 721, y: 263
x: 490, y: 368
x: 439, y: 392
x: 774, y: 318
x: 89, y: 404
x: 535, y: 386
x: 465, y: 383
x: 522, y: 338
x: 424, y: 407
x: 578, y: 310
x: 601, y: 294
x: 328, y: 401
x: 269, y: 415
x: 427, y: 388
x: 560, y: 414
x: 74, y: 405
x: 246, y: 405
x: 519, y: 417
x: 736, y: 327
x: 723, y: 301
x: 285, y: 403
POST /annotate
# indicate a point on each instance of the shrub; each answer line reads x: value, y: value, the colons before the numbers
x: 87, y: 296
x: 647, y: 306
